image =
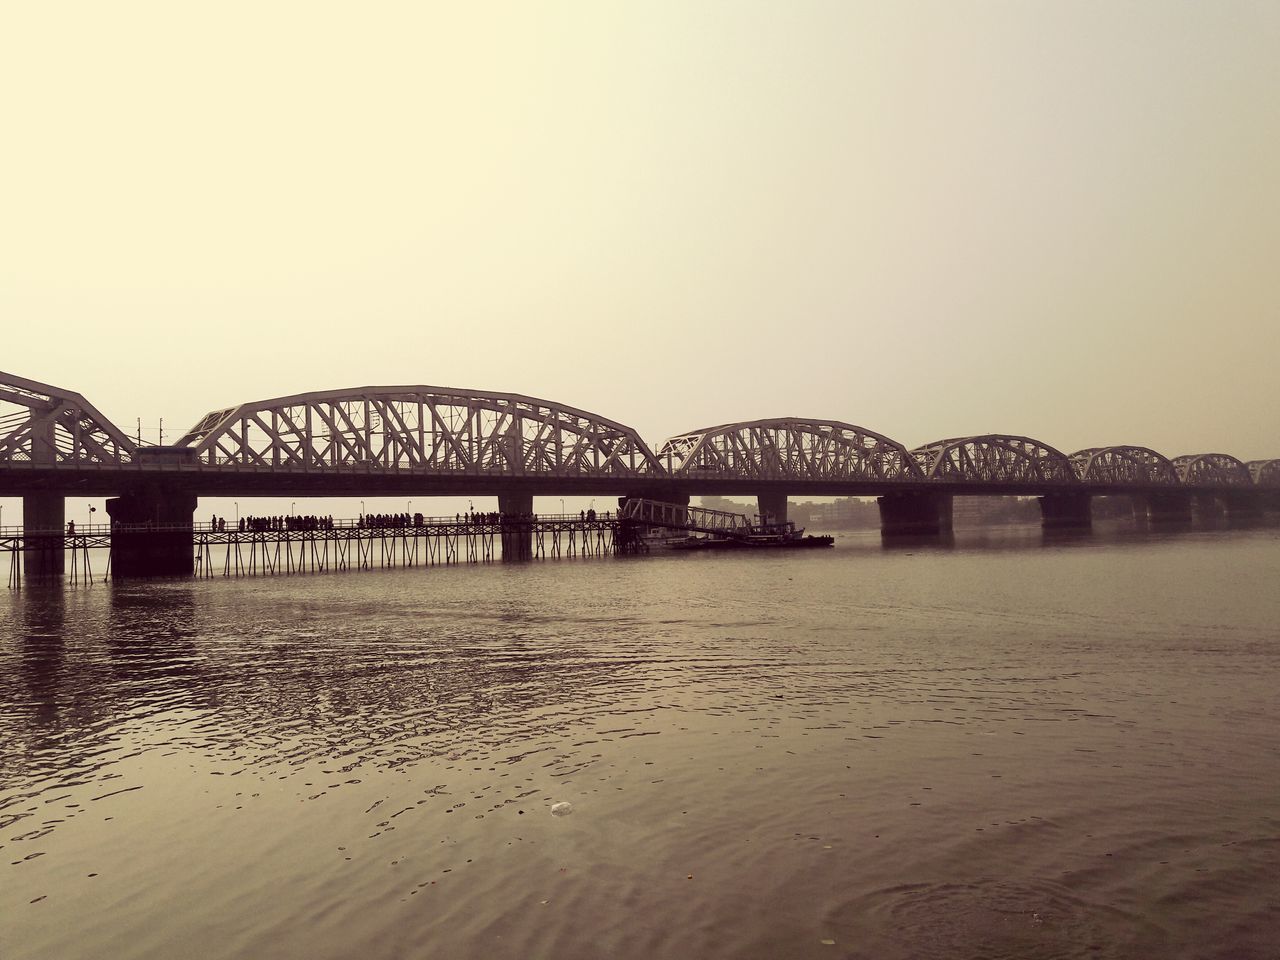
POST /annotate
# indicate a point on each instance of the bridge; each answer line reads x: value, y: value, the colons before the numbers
x: 442, y: 441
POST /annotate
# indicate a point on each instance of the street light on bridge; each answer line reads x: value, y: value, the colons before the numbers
x: 292, y: 504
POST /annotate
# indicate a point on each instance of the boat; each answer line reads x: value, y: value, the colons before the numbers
x: 759, y: 536
x: 675, y: 526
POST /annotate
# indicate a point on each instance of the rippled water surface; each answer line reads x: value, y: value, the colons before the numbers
x: 1010, y: 748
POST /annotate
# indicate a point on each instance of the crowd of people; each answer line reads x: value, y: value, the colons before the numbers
x: 398, y: 521
x: 272, y: 524
x: 388, y: 521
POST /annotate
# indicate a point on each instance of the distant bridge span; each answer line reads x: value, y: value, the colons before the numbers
x: 442, y: 441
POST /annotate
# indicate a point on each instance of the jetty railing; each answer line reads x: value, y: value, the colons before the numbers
x: 340, y: 545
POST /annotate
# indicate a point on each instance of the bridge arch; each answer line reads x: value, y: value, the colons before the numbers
x: 1124, y: 465
x: 45, y: 425
x: 422, y: 429
x: 1265, y: 473
x: 1212, y: 470
x: 788, y: 448
x: 994, y: 458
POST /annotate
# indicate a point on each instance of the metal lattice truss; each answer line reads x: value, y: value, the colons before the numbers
x: 1265, y: 473
x: 1124, y: 465
x: 432, y: 430
x: 44, y: 425
x: 995, y: 458
x: 679, y: 516
x: 1212, y: 470
x: 788, y: 449
x: 655, y: 513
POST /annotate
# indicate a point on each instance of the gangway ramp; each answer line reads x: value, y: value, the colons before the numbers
x: 680, y: 516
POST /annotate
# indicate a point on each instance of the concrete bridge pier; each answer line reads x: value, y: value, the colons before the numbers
x: 1066, y: 511
x: 517, y: 525
x: 772, y: 507
x: 1163, y: 508
x: 151, y: 533
x: 1244, y: 506
x: 44, y: 556
x: 918, y: 514
x: 1207, y: 508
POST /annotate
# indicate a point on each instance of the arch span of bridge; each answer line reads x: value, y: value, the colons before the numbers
x: 996, y: 459
x: 425, y: 430
x: 1212, y: 470
x: 1125, y: 465
x: 442, y: 441
x: 1265, y: 473
x: 788, y: 449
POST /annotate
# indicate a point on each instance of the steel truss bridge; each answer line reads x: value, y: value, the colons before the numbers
x: 441, y: 441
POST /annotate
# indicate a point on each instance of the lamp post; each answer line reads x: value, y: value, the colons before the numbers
x: 408, y: 506
x: 292, y: 504
x: 237, y: 503
x: 92, y: 511
x: 362, y: 510
x: 562, y: 506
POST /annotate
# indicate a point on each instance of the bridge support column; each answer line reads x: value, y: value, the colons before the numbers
x: 44, y: 519
x: 1066, y: 511
x: 772, y: 507
x: 1207, y: 508
x: 151, y: 533
x: 517, y: 525
x: 1243, y: 506
x: 926, y: 514
x: 1172, y: 507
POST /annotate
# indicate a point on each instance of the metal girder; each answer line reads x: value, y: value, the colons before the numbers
x: 46, y: 425
x: 994, y: 458
x: 1124, y: 465
x: 1265, y: 473
x: 788, y: 449
x: 1212, y: 470
x: 432, y: 430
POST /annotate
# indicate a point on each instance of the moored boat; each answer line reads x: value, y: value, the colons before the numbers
x: 762, y: 536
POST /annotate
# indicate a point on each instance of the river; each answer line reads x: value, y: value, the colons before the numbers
x: 1010, y: 747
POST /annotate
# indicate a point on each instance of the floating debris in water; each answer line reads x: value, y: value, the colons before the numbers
x: 561, y: 809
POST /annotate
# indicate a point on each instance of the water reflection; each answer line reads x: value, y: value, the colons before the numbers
x: 150, y: 634
x: 297, y: 676
x: 42, y: 615
x: 1004, y: 736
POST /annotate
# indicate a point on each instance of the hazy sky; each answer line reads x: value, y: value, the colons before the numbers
x: 931, y: 219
